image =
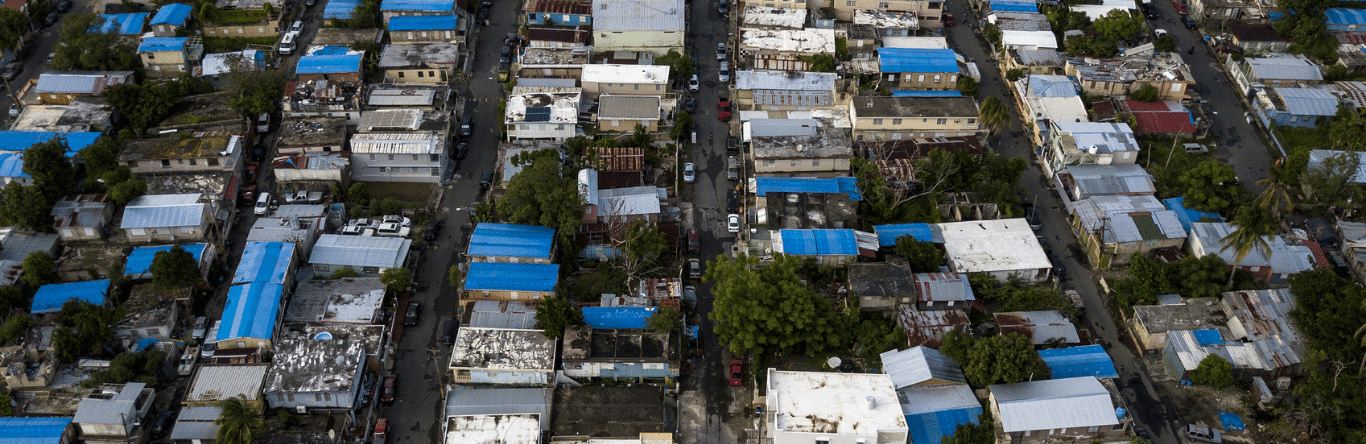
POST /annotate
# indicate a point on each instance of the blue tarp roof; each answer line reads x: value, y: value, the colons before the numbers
x: 417, y: 5
x: 122, y: 24
x: 12, y: 165
x: 919, y: 93
x: 917, y: 60
x: 847, y: 185
x: 264, y: 262
x: 513, y: 277
x: 617, y: 317
x: 1208, y: 337
x: 328, y: 64
x: 33, y: 430
x: 1071, y: 362
x: 140, y: 260
x: 1344, y: 16
x: 22, y: 140
x: 887, y: 234
x: 341, y: 9
x: 1187, y: 215
x: 931, y: 428
x: 491, y: 239
x: 251, y: 311
x: 819, y: 242
x: 174, y: 13
x: 1231, y: 422
x: 156, y: 44
x: 331, y: 50
x: 50, y: 297
x: 423, y: 23
x: 1014, y: 6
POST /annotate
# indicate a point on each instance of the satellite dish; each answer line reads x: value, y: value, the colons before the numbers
x: 324, y: 336
x: 833, y: 362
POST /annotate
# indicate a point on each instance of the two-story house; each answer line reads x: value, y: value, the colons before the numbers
x: 502, y: 356
x: 783, y: 49
x: 113, y: 414
x: 802, y: 405
x: 772, y: 90
x: 63, y: 87
x: 919, y: 69
x: 321, y: 368
x: 542, y: 112
x: 429, y: 63
x: 510, y: 243
x: 193, y: 152
x: 400, y: 146
x: 1276, y: 70
x: 171, y: 18
x: 426, y: 29
x: 1083, y: 143
x: 504, y: 281
x: 649, y: 26
x: 622, y: 113
x: 896, y: 118
x: 1122, y: 76
x: 797, y: 147
x: 636, y: 80
x: 333, y: 68
x: 171, y: 56
x: 619, y: 353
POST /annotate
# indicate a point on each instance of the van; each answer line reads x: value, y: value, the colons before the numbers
x: 263, y: 123
x: 287, y: 43
x: 732, y: 168
x: 263, y: 204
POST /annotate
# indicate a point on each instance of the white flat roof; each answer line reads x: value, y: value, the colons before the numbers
x: 782, y: 17
x: 547, y: 104
x: 647, y: 74
x: 834, y: 403
x: 493, y: 429
x: 1035, y: 39
x: 922, y: 42
x: 804, y: 41
x: 993, y: 245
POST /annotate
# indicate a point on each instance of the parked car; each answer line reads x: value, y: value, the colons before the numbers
x: 724, y: 73
x: 948, y: 19
x: 1180, y: 8
x: 262, y: 204
x: 737, y: 373
x: 353, y: 230
x: 694, y: 268
x: 297, y: 26
x: 690, y: 293
x: 1075, y: 299
x: 723, y: 7
x: 381, y: 434
x: 448, y: 331
x: 694, y: 245
x: 693, y: 83
x: 414, y: 314
x: 462, y: 150
x: 486, y: 180
x: 1201, y: 433
x: 1190, y: 22
x: 732, y: 201
x: 723, y: 109
x: 52, y: 19
x: 161, y: 425
x: 689, y: 173
x: 12, y: 69
x: 721, y: 52
x: 300, y: 196
x: 396, y: 219
x: 187, y: 361
x: 732, y: 168
x: 390, y: 229
x: 201, y: 328
x: 386, y: 394
x: 733, y: 223
x: 690, y: 105
x: 432, y: 230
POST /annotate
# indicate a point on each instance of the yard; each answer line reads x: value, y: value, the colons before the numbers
x: 402, y: 191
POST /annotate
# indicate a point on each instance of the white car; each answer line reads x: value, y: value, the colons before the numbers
x: 724, y: 72
x: 392, y: 230
x: 396, y: 219
x: 733, y: 223
x: 353, y: 230
x: 693, y: 83
x: 689, y: 173
x: 721, y: 52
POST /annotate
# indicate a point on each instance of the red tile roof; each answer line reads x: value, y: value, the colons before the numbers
x: 1319, y: 257
x: 17, y: 5
x: 1161, y: 117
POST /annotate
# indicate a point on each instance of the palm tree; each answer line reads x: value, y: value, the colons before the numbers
x: 1251, y: 227
x: 240, y: 421
x: 994, y: 113
x: 1275, y: 196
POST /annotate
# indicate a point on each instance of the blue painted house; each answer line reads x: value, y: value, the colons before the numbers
x: 50, y: 297
x: 560, y: 13
x: 252, y: 316
x: 510, y: 282
x: 170, y: 18
x: 631, y: 353
x: 919, y: 68
x: 1344, y: 19
x: 1295, y: 107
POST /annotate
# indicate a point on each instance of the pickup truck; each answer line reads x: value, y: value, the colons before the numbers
x: 187, y: 361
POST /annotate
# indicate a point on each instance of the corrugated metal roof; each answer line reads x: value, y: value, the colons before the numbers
x: 163, y: 210
x: 845, y: 185
x: 1054, y: 404
x: 328, y: 64
x: 1283, y: 67
x: 1036, y: 39
x: 1071, y: 362
x: 80, y: 82
x: 466, y: 400
x: 512, y: 277
x: 49, y: 298
x: 490, y: 239
x: 931, y: 428
x: 121, y: 24
x: 1039, y: 326
x: 628, y: 107
x: 213, y: 383
x: 424, y: 22
x: 929, y: 327
x: 919, y: 364
x: 1317, y: 157
x: 887, y: 234
x: 1051, y: 86
x: 140, y: 259
x: 110, y: 411
x: 785, y: 80
x: 819, y: 242
x: 360, y: 251
x: 617, y: 317
x: 251, y: 311
x: 502, y: 314
x: 196, y: 423
x: 418, y: 5
x: 1308, y: 101
x: 173, y: 14
x: 561, y: 7
x: 1344, y: 16
x: 930, y: 287
x: 637, y: 15
x: 342, y: 9
x: 267, y: 262
x: 937, y: 398
x: 898, y: 60
x: 158, y: 44
x: 18, y: 430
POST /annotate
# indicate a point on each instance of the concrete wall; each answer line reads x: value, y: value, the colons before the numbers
x: 434, y: 36
x: 929, y: 18
x: 936, y: 81
x: 627, y: 125
x: 586, y: 369
x: 896, y: 128
x: 655, y: 42
x: 507, y: 295
x: 429, y: 76
x: 421, y: 168
x: 555, y: 131
x: 169, y: 234
x: 268, y: 28
x: 501, y: 377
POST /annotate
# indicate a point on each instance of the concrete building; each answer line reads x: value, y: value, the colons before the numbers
x: 772, y: 17
x: 623, y: 113
x: 171, y: 56
x: 329, y: 68
x: 650, y: 26
x: 507, y: 415
x: 113, y: 414
x: 427, y: 29
x: 251, y: 318
x: 1122, y: 76
x: 502, y: 357
x: 559, y: 12
x: 928, y: 12
x: 83, y: 114
x: 933, y: 393
x: 493, y: 242
x: 842, y: 408
x: 1076, y: 183
x: 170, y: 18
x: 498, y: 314
x: 50, y: 297
x: 626, y: 80
x: 510, y: 281
x: 557, y: 38
x: 367, y: 255
x: 311, y: 135
x: 401, y: 146
x: 896, y: 118
x: 63, y: 87
x: 829, y: 247
x: 328, y: 98
x: 201, y: 152
x: 620, y: 353
x: 1048, y: 99
x: 1112, y: 228
x: 805, y: 202
x: 39, y: 430
x: 1000, y: 248
x: 346, y: 301
x: 1257, y: 38
x: 1035, y: 61
x: 1276, y: 70
x: 539, y: 112
x: 773, y: 90
x: 783, y: 49
x: 921, y: 366
x: 1084, y: 143
x: 1284, y: 258
x: 150, y: 313
x: 82, y: 217
x: 389, y: 9
x: 214, y: 383
x: 196, y: 425
x: 919, y: 69
x: 321, y: 369
x: 168, y: 218
x: 943, y: 291
x: 1150, y: 323
x: 426, y: 63
x: 1079, y: 408
x: 797, y: 147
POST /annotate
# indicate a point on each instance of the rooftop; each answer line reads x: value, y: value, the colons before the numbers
x: 923, y: 42
x: 753, y: 79
x: 583, y: 342
x: 196, y: 423
x: 888, y: 234
x: 896, y: 60
x: 1102, y: 180
x: 638, y: 15
x: 417, y: 5
x: 1086, y: 360
x: 936, y: 411
x: 643, y: 74
x: 82, y: 210
x: 312, y: 132
x: 799, y: 41
x: 360, y: 251
x: 503, y: 349
x: 832, y: 185
x: 1054, y: 404
x: 1127, y: 219
x: 213, y: 383
x: 870, y: 106
x: 543, y: 104
x: 577, y: 37
x: 49, y: 298
x: 1287, y: 256
x: 500, y: 314
x: 833, y: 403
x: 917, y: 366
x: 140, y: 259
x: 629, y: 410
x: 816, y: 242
x: 336, y: 301
x: 1293, y: 67
x: 1189, y: 314
x: 402, y: 120
x: 269, y: 262
x: 560, y: 7
x: 398, y: 95
x: 953, y: 287
x: 760, y: 17
x: 186, y: 146
x: 1018, y: 21
x: 424, y: 22
x: 612, y: 106
x: 120, y: 24
x: 81, y: 82
x: 159, y: 44
x: 428, y: 142
x: 468, y: 400
x: 110, y: 407
x: 929, y: 327
x: 1255, y: 32
x: 328, y: 64
x: 1304, y: 101
x: 993, y: 245
x: 513, y: 277
x: 84, y: 113
x: 149, y: 306
x: 251, y: 311
x: 410, y: 55
x: 883, y: 19
x: 1039, y: 326
x: 813, y: 139
x: 213, y: 184
x: 492, y: 239
x: 172, y: 14
x: 1262, y: 317
x: 493, y: 429
x: 347, y: 36
x: 19, y: 430
x: 1161, y: 117
x: 327, y: 361
x: 20, y: 141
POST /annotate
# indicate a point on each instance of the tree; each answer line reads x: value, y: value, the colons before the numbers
x: 1090, y: 45
x: 680, y: 67
x: 956, y: 345
x: 81, y: 50
x: 24, y: 206
x: 396, y: 279
x: 1003, y: 360
x: 240, y: 421
x: 886, y: 201
x: 667, y: 319
x: 994, y: 114
x: 47, y: 163
x: 1213, y: 371
x: 15, y: 327
x: 980, y: 432
x: 144, y: 106
x: 40, y: 269
x: 83, y: 327
x: 820, y: 62
x: 126, y: 191
x: 13, y: 25
x: 992, y: 34
x: 1145, y: 93
x: 1275, y: 195
x: 1063, y: 19
x: 1014, y: 74
x: 1211, y: 186
x: 967, y: 86
x: 175, y: 268
x: 923, y: 257
x: 641, y: 138
x: 11, y: 297
x: 554, y: 314
x: 640, y: 243
x: 682, y: 124
x: 544, y: 193
x: 1251, y: 227
x: 605, y: 279
x: 1165, y: 43
x: 1330, y: 182
x: 6, y: 409
x: 1305, y: 26
x: 253, y: 91
x: 144, y: 366
x: 454, y: 275
x: 359, y: 194
x: 769, y: 311
x: 1119, y: 24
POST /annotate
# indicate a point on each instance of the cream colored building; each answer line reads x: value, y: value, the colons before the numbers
x: 896, y: 118
x: 653, y: 26
x: 797, y: 147
x: 622, y: 113
x: 930, y: 12
x: 636, y: 80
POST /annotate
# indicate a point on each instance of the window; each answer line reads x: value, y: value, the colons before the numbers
x: 769, y: 163
x: 942, y: 122
x: 896, y: 136
x: 434, y: 158
x: 415, y: 158
x: 165, y: 163
x: 922, y: 78
x: 616, y: 123
x: 213, y: 161
x: 877, y: 121
x: 400, y: 74
x: 151, y: 56
x: 637, y: 87
x: 936, y: 78
x: 823, y: 441
x: 972, y: 121
x: 794, y: 163
x: 436, y: 172
x: 883, y: 5
x: 391, y: 157
x: 896, y: 121
x: 193, y: 162
x: 815, y: 162
x: 317, y: 396
x: 849, y: 3
x: 372, y: 157
x: 419, y: 74
x: 514, y: 294
x: 132, y: 164
x: 431, y: 74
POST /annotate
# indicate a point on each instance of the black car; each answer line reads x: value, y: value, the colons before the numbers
x: 414, y: 314
x: 51, y: 19
x: 506, y: 56
x: 448, y: 330
x: 732, y: 202
x: 690, y: 105
x: 486, y: 180
x: 462, y: 150
x: 64, y: 6
x: 161, y: 425
x: 433, y: 229
x: 258, y: 152
x: 1190, y: 22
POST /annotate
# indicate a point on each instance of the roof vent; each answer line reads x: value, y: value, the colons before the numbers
x: 872, y: 402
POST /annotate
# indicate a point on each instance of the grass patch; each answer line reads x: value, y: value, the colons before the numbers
x: 402, y: 191
x: 232, y: 44
x: 215, y: 16
x: 1154, y: 155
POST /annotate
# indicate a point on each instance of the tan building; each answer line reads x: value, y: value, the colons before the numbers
x: 1123, y: 76
x: 63, y: 87
x: 636, y: 80
x: 1035, y: 61
x: 623, y: 113
x: 798, y: 147
x: 82, y: 217
x: 896, y: 118
x: 1260, y: 38
x: 929, y: 12
x: 170, y: 56
x: 167, y: 218
x: 1150, y: 323
x: 191, y: 152
x: 427, y: 63
x: 783, y: 4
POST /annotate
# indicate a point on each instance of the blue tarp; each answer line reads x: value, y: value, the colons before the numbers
x: 1274, y: 15
x: 1000, y: 6
x: 847, y: 185
x: 251, y: 311
x: 423, y: 23
x: 417, y: 5
x: 1231, y: 422
x: 50, y: 297
x: 328, y: 64
x: 331, y: 50
x: 1071, y: 362
x: 920, y: 93
x: 931, y: 428
x: 158, y: 44
x: 12, y: 165
x: 887, y: 234
x: 17, y: 430
x: 819, y: 242
x: 174, y: 14
x: 1208, y: 337
x: 22, y: 140
x: 122, y: 24
x: 264, y: 262
x: 1344, y: 16
x: 694, y: 331
x: 617, y: 317
x: 1187, y: 215
x: 918, y: 60
x: 491, y: 239
x: 341, y: 9
x: 146, y: 342
x: 512, y: 277
x: 140, y: 260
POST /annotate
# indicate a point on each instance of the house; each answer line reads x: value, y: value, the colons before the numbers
x: 367, y: 255
x: 1112, y: 228
x: 50, y: 298
x: 63, y: 87
x: 1076, y: 183
x: 783, y: 49
x: 556, y: 38
x: 426, y: 29
x: 806, y: 202
x: 624, y: 113
x: 882, y: 286
x: 797, y: 147
x: 1041, y: 327
x: 1231, y: 11
x: 211, y: 152
x: 321, y: 368
x: 889, y: 23
x: 127, y: 25
x: 1035, y: 61
x: 542, y: 112
x: 593, y: 352
x: 389, y: 9
x: 1000, y: 248
x: 502, y: 357
x: 340, y: 68
x: 1262, y: 319
x: 1344, y: 19
x: 1150, y: 323
x: 139, y: 264
x: 171, y: 56
x: 82, y: 217
x: 498, y: 314
x: 829, y: 247
x: 150, y: 313
x: 492, y: 242
x: 214, y: 383
x: 803, y: 407
x: 317, y: 97
x: 114, y: 413
x: 1028, y: 39
x: 167, y: 218
x: 921, y: 366
x: 338, y: 10
x: 409, y: 96
x: 888, y: 234
x: 195, y: 425
x: 510, y: 282
x: 933, y: 393
x: 346, y: 301
x: 1122, y: 76
x: 83, y: 114
x: 311, y: 135
x: 1086, y: 143
x: 1168, y: 118
x: 1353, y: 234
x: 401, y: 146
x: 300, y: 232
x: 13, y: 144
x: 510, y: 415
x: 251, y: 317
x: 627, y: 80
x: 266, y: 262
x: 1285, y: 70
x: 1257, y: 38
x: 1072, y: 362
x: 895, y: 118
x: 1047, y: 99
x: 1285, y: 257
x: 1318, y: 159
x: 559, y: 12
x: 1080, y: 408
x: 919, y: 69
x: 929, y: 12
x: 1294, y: 107
x: 943, y: 291
x: 773, y: 90
x: 170, y: 18
x: 1185, y: 349
x: 605, y: 206
x: 771, y: 17
x: 429, y: 63
x: 648, y: 26
x: 38, y: 430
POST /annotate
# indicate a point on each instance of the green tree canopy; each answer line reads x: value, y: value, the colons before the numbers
x: 1195, y: 277
x: 1211, y: 186
x: 240, y: 421
x: 544, y: 193
x: 1327, y: 311
x: 1090, y: 45
x: 1145, y: 93
x: 641, y: 245
x: 40, y: 269
x: 680, y: 67
x: 769, y: 311
x: 13, y: 25
x: 967, y: 86
x: 1251, y: 227
x: 81, y: 50
x: 1306, y: 25
x: 1330, y: 182
x: 821, y: 62
x: 1213, y: 371
x: 83, y: 327
x: 142, y: 367
x: 1165, y: 43
x: 24, y: 206
x: 253, y: 91
x: 396, y: 279
x: 1119, y: 24
x: 144, y: 106
x: 175, y: 268
x: 51, y: 169
x: 1003, y: 360
x: 981, y: 432
x: 667, y: 319
x: 605, y: 279
x: 554, y: 314
x: 6, y: 409
x: 15, y: 327
x: 923, y: 257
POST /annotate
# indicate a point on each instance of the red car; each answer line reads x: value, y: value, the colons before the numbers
x: 1180, y: 7
x: 381, y: 431
x: 723, y: 110
x: 948, y: 19
x: 386, y: 394
x: 737, y: 373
